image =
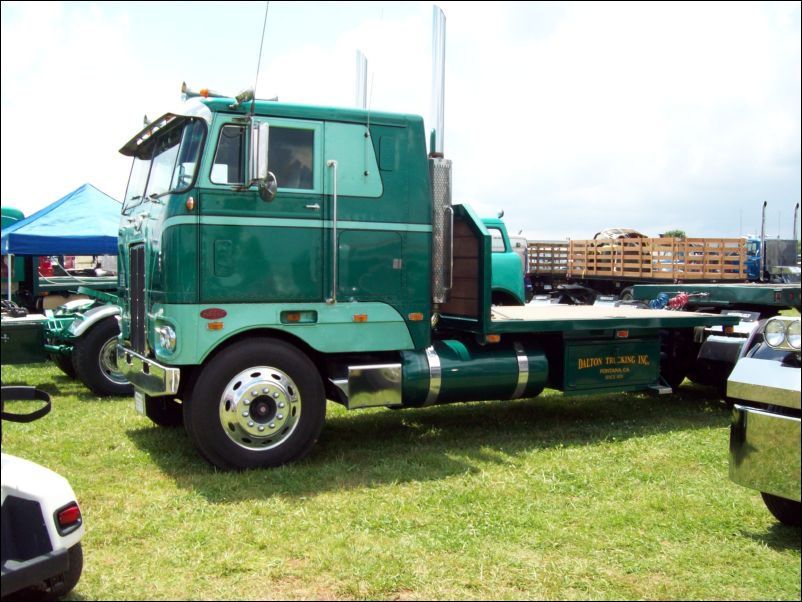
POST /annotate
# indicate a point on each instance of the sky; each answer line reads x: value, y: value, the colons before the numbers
x: 569, y: 117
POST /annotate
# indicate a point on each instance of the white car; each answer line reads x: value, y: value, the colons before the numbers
x: 42, y: 525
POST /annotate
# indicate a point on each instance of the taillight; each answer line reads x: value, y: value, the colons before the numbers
x: 68, y: 518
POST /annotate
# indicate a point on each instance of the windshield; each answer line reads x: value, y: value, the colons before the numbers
x: 166, y: 163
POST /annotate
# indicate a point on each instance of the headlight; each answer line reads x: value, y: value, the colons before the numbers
x: 774, y: 333
x: 167, y: 338
x: 793, y: 334
x: 783, y: 333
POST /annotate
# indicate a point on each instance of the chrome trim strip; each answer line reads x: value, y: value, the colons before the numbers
x: 523, y: 371
x: 435, y: 376
x: 298, y: 222
x: 332, y: 164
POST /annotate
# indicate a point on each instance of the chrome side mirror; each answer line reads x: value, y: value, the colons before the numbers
x: 257, y: 163
x: 268, y: 187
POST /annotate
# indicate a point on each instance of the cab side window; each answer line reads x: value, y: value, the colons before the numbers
x: 291, y: 157
x: 229, y: 156
x: 497, y: 241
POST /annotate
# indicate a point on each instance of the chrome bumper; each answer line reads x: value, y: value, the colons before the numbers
x: 765, y: 381
x: 146, y: 375
x: 765, y: 452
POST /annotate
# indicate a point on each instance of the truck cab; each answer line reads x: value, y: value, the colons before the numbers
x: 778, y: 259
x: 507, y: 271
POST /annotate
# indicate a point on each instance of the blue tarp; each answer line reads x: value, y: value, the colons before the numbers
x: 85, y: 222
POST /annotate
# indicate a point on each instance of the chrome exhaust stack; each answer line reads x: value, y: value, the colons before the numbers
x: 440, y: 173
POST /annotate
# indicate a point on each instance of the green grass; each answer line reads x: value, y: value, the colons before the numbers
x: 609, y: 497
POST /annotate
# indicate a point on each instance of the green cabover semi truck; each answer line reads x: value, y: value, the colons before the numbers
x: 343, y: 272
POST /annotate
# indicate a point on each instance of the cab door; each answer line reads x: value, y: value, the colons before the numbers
x: 254, y: 250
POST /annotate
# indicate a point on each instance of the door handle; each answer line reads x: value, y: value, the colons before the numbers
x: 315, y: 206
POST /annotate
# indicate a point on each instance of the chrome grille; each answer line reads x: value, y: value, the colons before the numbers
x: 136, y: 293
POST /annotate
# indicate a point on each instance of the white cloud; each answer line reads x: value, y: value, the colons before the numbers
x: 570, y: 116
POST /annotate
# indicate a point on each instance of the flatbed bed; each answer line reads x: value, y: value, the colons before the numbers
x: 744, y: 294
x: 562, y: 318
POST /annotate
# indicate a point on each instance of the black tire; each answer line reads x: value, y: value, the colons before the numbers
x: 94, y: 360
x: 677, y: 355
x: 164, y: 411
x: 259, y: 403
x: 626, y: 294
x: 784, y: 510
x: 64, y: 363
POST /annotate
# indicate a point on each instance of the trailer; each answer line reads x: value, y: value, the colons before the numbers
x: 717, y: 348
x: 614, y: 266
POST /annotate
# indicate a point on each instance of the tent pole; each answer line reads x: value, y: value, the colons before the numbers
x: 9, y: 267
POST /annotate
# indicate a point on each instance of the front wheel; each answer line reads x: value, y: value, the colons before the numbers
x: 94, y: 357
x: 786, y: 511
x: 64, y: 363
x: 259, y: 403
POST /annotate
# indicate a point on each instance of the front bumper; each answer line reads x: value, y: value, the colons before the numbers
x: 765, y: 381
x: 765, y: 430
x: 147, y: 375
x: 765, y: 452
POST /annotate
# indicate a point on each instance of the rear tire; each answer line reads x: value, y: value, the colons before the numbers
x: 94, y: 358
x: 677, y: 355
x: 259, y: 403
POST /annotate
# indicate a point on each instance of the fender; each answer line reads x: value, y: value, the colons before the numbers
x: 92, y: 317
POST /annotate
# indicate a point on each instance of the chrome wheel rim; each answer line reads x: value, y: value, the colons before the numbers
x: 260, y: 408
x: 107, y: 359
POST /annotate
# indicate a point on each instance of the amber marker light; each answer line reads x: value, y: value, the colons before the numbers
x: 360, y: 317
x: 214, y: 326
x: 622, y: 334
x: 190, y: 203
x: 493, y: 338
x: 416, y: 317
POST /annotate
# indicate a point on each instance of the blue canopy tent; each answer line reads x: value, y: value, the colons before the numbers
x: 84, y: 222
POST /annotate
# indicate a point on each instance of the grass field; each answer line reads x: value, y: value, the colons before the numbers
x: 606, y: 497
